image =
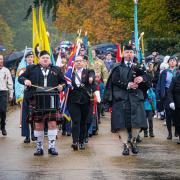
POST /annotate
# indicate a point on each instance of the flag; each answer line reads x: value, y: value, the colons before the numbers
x: 90, y: 58
x: 123, y: 51
x: 140, y: 55
x: 59, y: 60
x: 44, y: 39
x: 68, y: 77
x: 52, y: 57
x: 35, y: 35
x: 85, y: 40
x: 19, y: 88
x: 142, y: 44
x: 118, y: 54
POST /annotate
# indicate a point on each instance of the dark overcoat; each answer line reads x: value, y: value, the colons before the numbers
x: 174, y: 96
x: 127, y: 104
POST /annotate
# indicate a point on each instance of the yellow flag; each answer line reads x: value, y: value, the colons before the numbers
x: 35, y: 35
x: 44, y: 40
x: 142, y: 44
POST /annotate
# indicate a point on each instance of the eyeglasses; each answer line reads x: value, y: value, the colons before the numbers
x: 82, y: 50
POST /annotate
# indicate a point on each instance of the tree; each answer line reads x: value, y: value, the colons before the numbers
x: 156, y: 18
x: 92, y: 16
x: 22, y: 29
x: 49, y: 6
x: 6, y: 35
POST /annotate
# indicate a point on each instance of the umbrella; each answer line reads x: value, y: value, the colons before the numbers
x: 2, y: 48
x: 14, y: 56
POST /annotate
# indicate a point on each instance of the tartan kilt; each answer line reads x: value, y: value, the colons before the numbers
x: 42, y: 116
x: 46, y: 116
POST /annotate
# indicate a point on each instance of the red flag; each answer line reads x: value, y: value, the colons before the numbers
x: 118, y: 54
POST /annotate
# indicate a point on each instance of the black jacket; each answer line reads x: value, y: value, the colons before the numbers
x: 80, y: 95
x: 127, y: 104
x: 34, y: 74
x: 174, y: 91
x: 119, y: 78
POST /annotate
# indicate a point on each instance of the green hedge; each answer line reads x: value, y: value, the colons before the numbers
x: 164, y: 46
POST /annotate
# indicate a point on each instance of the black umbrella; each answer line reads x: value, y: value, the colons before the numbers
x: 2, y: 48
x: 14, y: 56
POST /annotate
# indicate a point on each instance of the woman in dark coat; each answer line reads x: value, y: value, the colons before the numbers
x: 162, y: 92
x: 125, y: 91
x: 174, y: 98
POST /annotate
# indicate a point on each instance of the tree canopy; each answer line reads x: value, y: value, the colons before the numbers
x: 6, y: 35
x: 157, y: 18
x: 91, y: 16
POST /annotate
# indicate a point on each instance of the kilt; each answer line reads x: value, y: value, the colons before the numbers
x: 3, y: 100
x: 39, y: 117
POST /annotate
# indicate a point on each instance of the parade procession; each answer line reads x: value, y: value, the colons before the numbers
x: 89, y: 89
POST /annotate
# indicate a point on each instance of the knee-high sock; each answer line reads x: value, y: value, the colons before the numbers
x: 52, y: 137
x: 123, y: 136
x: 40, y: 138
x: 135, y: 133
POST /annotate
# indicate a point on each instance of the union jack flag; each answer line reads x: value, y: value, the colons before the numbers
x: 68, y: 77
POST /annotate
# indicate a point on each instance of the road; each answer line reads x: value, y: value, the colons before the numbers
x: 102, y: 159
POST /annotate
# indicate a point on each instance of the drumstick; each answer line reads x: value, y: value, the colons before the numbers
x: 37, y: 86
x: 54, y: 87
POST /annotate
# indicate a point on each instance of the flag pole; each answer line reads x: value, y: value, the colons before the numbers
x: 136, y: 29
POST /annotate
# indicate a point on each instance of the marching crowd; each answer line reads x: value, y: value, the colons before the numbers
x: 133, y: 93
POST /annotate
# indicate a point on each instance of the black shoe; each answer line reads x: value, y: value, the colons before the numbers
x: 176, y: 134
x: 4, y: 132
x: 145, y: 134
x: 52, y: 151
x: 27, y: 140
x: 63, y: 133
x: 82, y: 146
x: 125, y: 151
x: 102, y: 113
x: 33, y: 138
x: 169, y: 137
x: 151, y: 134
x: 162, y: 117
x: 138, y: 139
x: 134, y: 148
x: 68, y: 134
x: 178, y: 142
x: 86, y: 140
x: 39, y: 152
x: 74, y: 146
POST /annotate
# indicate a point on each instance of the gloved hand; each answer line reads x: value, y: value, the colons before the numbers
x: 172, y: 106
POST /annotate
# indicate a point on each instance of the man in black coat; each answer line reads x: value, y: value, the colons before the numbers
x: 43, y: 75
x: 174, y: 98
x: 125, y: 91
x: 79, y: 101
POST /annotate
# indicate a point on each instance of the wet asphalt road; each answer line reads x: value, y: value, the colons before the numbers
x: 102, y: 159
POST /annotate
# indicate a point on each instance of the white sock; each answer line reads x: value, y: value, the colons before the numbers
x: 40, y: 138
x: 135, y: 133
x: 52, y: 138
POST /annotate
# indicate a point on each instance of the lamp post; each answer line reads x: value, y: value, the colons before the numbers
x: 136, y: 29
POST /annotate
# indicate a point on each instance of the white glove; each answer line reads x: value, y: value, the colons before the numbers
x: 97, y: 94
x: 172, y: 106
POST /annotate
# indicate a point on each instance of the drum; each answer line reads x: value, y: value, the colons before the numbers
x: 46, y: 100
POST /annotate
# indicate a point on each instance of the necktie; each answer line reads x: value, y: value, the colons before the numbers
x: 129, y: 64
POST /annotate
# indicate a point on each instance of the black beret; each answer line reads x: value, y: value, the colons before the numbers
x: 128, y: 47
x: 29, y: 53
x: 42, y: 53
